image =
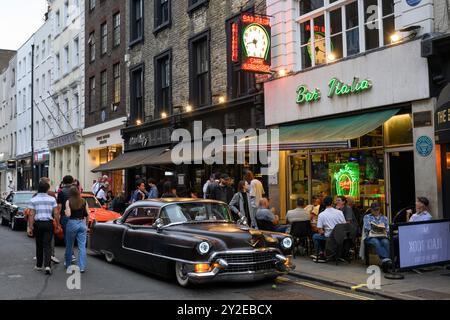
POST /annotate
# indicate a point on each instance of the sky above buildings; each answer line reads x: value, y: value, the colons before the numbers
x: 19, y: 19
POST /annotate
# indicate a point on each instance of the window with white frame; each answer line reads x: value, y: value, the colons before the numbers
x: 76, y: 52
x: 335, y: 29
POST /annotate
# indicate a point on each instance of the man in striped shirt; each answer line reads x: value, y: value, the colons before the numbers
x: 43, y: 210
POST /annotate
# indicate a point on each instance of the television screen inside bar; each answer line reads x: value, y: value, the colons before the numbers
x: 424, y: 243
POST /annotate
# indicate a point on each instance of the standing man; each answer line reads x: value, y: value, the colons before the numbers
x: 63, y: 196
x: 206, y: 186
x: 140, y: 192
x: 101, y: 194
x: 43, y: 209
x: 153, y: 189
x: 223, y: 191
x: 326, y: 222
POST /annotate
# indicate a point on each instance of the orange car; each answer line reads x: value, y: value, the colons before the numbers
x: 96, y: 211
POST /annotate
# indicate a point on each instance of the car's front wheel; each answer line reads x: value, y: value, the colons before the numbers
x: 181, y: 274
x: 14, y: 224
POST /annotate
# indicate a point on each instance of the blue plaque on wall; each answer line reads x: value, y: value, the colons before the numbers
x: 424, y: 146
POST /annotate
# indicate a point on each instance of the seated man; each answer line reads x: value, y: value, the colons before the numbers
x: 326, y: 222
x: 265, y: 215
x: 376, y: 228
x: 422, y: 213
x: 299, y: 213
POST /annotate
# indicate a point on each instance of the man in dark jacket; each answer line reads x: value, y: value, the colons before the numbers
x: 63, y: 196
x: 223, y: 191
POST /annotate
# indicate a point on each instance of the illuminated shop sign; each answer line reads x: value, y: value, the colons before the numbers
x: 335, y: 88
x: 346, y: 179
x: 250, y: 43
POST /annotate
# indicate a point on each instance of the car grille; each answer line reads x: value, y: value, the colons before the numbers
x: 244, y: 262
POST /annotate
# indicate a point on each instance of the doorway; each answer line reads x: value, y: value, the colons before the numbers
x: 445, y: 161
x: 401, y: 183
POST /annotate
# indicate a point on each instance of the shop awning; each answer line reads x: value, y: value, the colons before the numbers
x: 332, y: 133
x: 131, y: 160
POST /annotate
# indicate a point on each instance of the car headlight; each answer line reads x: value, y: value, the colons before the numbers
x: 286, y: 243
x: 203, y: 248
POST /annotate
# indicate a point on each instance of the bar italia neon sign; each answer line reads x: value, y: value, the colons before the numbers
x: 347, y: 181
x: 335, y: 88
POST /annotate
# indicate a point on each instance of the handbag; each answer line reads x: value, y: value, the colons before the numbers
x: 60, y: 234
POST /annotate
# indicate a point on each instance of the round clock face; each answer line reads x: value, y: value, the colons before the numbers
x: 256, y: 41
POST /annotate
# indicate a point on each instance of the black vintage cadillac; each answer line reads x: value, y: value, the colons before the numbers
x: 196, y: 241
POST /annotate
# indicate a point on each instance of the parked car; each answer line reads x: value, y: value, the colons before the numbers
x: 194, y: 240
x: 12, y: 209
x: 97, y: 211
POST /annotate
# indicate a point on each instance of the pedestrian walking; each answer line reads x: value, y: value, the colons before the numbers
x: 77, y: 211
x: 222, y: 191
x: 102, y: 194
x: 206, y: 186
x: 43, y: 211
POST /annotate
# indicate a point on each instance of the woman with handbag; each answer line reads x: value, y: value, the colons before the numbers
x: 77, y: 211
x: 241, y: 205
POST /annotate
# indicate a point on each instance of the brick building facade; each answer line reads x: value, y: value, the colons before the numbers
x: 180, y: 72
x: 105, y: 98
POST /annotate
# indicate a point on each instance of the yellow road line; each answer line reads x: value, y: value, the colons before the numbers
x: 322, y: 288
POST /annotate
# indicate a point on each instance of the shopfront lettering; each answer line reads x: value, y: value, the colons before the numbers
x: 339, y: 88
x: 304, y: 95
x: 335, y: 88
x: 443, y: 116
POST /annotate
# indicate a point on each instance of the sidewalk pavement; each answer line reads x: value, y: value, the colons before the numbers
x: 431, y: 283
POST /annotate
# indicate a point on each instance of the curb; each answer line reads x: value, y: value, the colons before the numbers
x: 348, y: 286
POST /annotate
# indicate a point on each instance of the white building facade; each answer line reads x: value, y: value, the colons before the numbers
x: 24, y: 92
x: 45, y: 126
x: 354, y: 110
x: 8, y: 132
x: 67, y: 100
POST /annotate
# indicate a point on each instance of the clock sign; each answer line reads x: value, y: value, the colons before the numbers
x: 251, y: 43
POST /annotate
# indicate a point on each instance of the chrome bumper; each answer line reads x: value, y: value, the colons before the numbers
x: 221, y: 274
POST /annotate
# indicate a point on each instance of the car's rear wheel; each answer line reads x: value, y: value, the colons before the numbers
x: 181, y: 274
x: 3, y: 222
x: 109, y: 257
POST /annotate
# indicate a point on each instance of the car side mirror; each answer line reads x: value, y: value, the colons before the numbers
x: 158, y: 224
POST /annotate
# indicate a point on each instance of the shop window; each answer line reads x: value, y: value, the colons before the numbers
x: 352, y: 28
x: 305, y: 34
x: 372, y: 139
x: 371, y: 26
x: 398, y: 130
x: 336, y: 34
x: 307, y: 6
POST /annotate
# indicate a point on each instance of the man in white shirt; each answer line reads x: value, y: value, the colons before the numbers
x: 326, y: 222
x: 299, y: 213
x: 256, y: 189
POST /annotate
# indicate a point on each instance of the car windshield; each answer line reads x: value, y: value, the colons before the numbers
x: 92, y: 202
x: 22, y: 197
x: 195, y: 212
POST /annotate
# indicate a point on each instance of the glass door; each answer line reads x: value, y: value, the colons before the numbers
x: 298, y: 178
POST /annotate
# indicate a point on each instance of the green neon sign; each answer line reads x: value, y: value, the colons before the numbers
x: 304, y: 95
x: 335, y: 88
x: 347, y: 180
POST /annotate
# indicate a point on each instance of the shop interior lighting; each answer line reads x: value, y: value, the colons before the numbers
x: 282, y: 73
x: 138, y: 122
x: 222, y: 99
x: 395, y: 37
x: 188, y: 108
x: 331, y: 57
x: 163, y: 115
